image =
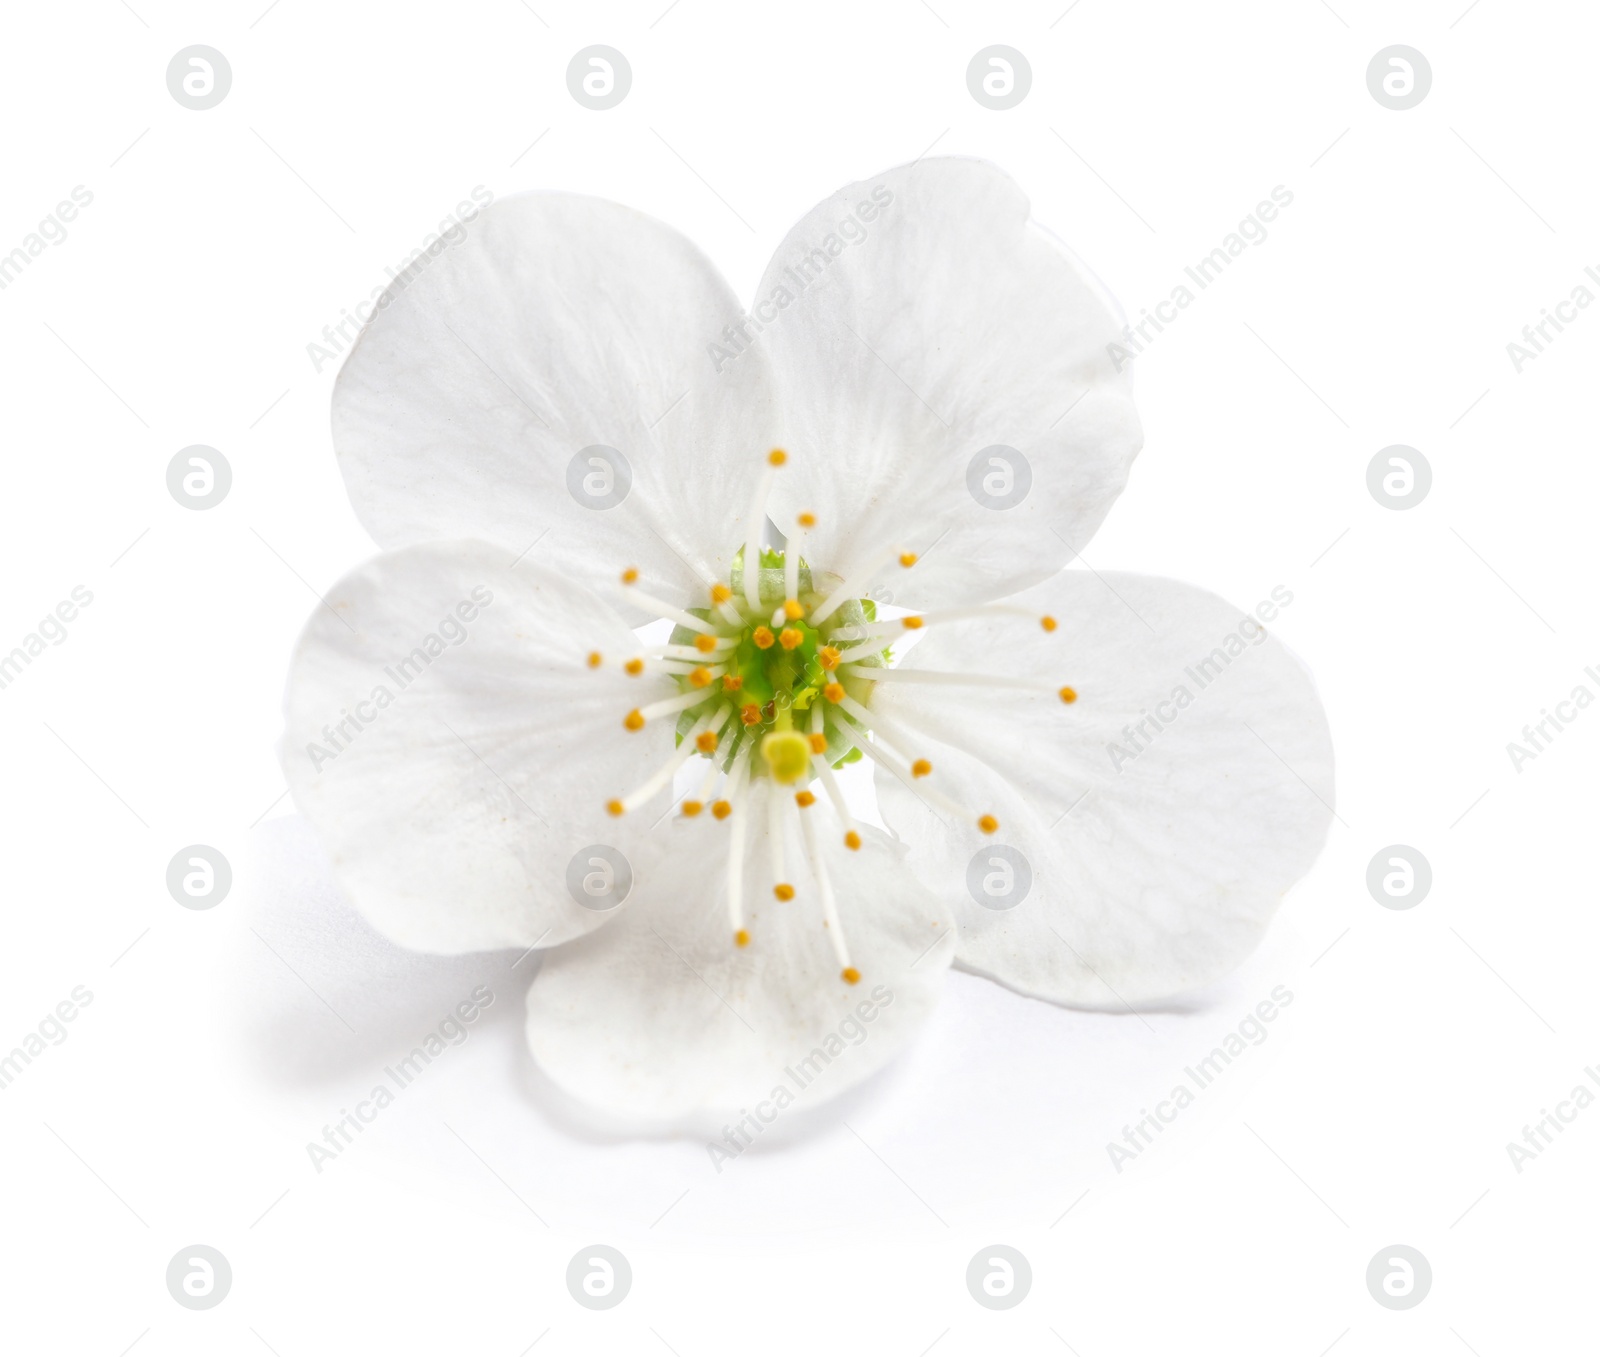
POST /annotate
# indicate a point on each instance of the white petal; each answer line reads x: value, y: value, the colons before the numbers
x: 478, y: 772
x: 557, y: 324
x: 1157, y: 857
x: 945, y: 325
x: 661, y: 1016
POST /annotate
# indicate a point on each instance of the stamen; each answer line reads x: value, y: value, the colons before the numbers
x: 705, y: 643
x: 635, y: 667
x: 852, y: 585
x: 681, y: 755
x: 791, y: 573
x: 672, y: 614
x: 1069, y: 694
x: 634, y: 720
x: 931, y: 618
x: 878, y: 673
x: 763, y: 638
x: 731, y: 683
x: 706, y: 741
x: 928, y: 794
x: 750, y: 714
x: 908, y: 559
x: 736, y: 795
x: 703, y: 646
x: 921, y: 768
x: 892, y: 733
x: 830, y: 906
x: 692, y: 808
x: 792, y: 609
x: 807, y: 520
x: 630, y: 576
x: 829, y: 657
x: 780, y: 887
x: 804, y: 799
x: 594, y: 659
x: 1047, y: 622
x: 834, y: 692
x: 830, y: 784
x: 790, y: 637
x: 701, y: 677
x: 667, y: 706
x: 758, y: 518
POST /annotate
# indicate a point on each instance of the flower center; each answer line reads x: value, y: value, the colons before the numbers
x: 774, y: 679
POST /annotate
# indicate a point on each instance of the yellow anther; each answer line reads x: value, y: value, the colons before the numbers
x: 594, y: 659
x: 807, y: 520
x: 921, y: 768
x: 910, y: 623
x: 721, y: 809
x: 829, y: 657
x: 763, y: 638
x: 630, y: 575
x: 777, y: 457
x: 741, y: 938
x: 634, y: 720
x: 634, y: 666
x: 720, y: 593
x: 705, y: 643
x: 731, y: 683
x: 908, y: 559
x: 834, y: 692
x: 706, y: 742
x: 783, y: 891
x: 788, y: 755
x: 804, y: 799
x: 850, y: 975
x: 750, y: 714
x: 1047, y: 622
x: 693, y: 808
x: 988, y: 824
x: 700, y: 678
x: 1069, y: 694
x: 852, y: 841
x: 614, y: 807
x: 792, y: 609
x: 790, y: 637
x: 819, y: 743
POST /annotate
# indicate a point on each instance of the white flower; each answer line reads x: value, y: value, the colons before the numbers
x: 469, y: 715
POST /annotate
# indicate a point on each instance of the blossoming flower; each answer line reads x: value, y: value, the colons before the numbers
x: 565, y: 427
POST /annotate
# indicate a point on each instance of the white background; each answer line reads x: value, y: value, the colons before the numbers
x: 179, y: 310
